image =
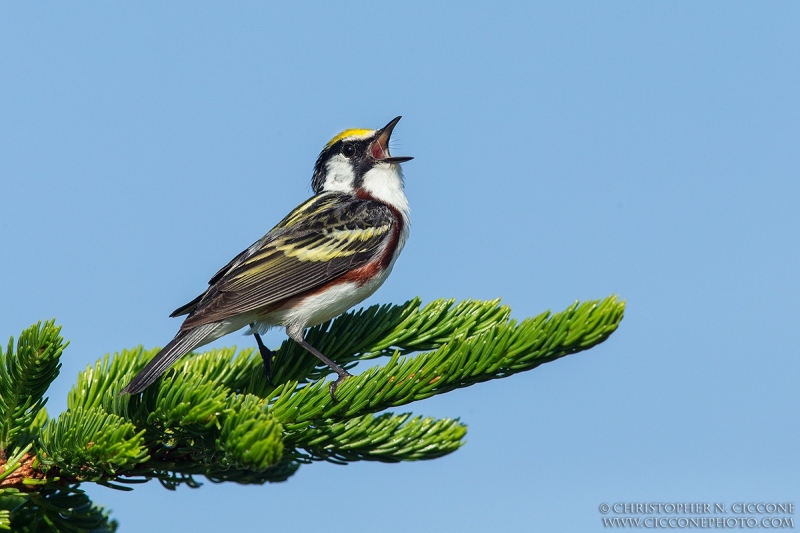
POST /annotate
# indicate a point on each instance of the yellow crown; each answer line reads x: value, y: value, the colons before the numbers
x: 350, y: 133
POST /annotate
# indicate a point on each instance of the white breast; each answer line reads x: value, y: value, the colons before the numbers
x: 317, y: 308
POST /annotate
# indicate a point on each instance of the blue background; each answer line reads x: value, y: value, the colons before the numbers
x: 563, y: 152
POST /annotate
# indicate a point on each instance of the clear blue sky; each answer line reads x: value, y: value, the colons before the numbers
x: 564, y: 151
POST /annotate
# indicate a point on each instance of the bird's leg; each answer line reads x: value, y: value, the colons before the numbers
x: 266, y: 355
x: 341, y: 372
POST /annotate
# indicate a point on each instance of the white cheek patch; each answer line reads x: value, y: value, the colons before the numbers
x: 339, y: 175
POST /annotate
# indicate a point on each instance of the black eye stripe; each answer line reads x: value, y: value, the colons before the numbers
x: 359, y: 146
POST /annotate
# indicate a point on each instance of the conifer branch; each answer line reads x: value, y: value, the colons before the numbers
x: 91, y: 445
x: 498, y: 352
x: 387, y: 438
x: 25, y: 375
x: 374, y: 332
x: 213, y: 414
x: 250, y: 437
x: 63, y: 509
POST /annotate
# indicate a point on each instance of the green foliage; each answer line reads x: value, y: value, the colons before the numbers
x: 25, y: 375
x: 195, y: 426
x: 28, y: 435
x: 91, y: 445
x: 10, y: 501
x: 190, y: 403
x: 56, y: 510
x: 250, y: 437
x: 379, y: 331
x: 387, y: 438
x: 215, y: 415
x: 472, y: 356
x: 99, y: 385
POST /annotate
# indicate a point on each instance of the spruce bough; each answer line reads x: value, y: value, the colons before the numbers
x: 214, y: 414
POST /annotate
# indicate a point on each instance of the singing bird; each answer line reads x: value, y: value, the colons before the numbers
x: 327, y: 255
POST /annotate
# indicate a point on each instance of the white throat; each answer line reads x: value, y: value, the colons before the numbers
x: 384, y: 182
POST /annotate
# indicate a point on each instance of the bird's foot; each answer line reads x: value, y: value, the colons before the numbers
x: 266, y: 356
x: 335, y: 384
x: 297, y: 336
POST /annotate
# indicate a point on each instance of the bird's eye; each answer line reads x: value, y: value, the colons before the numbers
x: 348, y: 150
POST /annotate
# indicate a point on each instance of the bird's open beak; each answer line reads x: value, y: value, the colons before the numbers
x: 380, y: 146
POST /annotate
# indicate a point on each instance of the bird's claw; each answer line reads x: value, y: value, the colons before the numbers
x: 266, y: 356
x: 333, y: 386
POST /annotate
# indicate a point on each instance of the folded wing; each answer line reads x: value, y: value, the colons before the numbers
x: 319, y: 241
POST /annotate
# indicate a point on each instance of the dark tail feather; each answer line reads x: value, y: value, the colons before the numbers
x: 183, y: 343
x: 187, y: 308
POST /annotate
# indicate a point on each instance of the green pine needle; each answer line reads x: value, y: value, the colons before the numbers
x: 25, y: 375
x: 65, y: 509
x: 186, y: 402
x: 99, y: 385
x: 91, y: 444
x: 250, y: 436
x: 388, y: 438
